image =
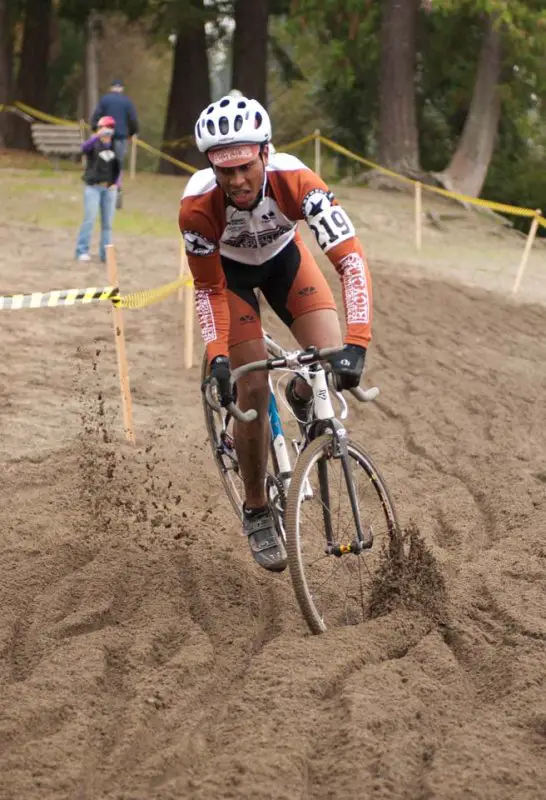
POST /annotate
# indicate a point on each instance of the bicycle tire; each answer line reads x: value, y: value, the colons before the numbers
x: 212, y: 434
x: 230, y: 484
x: 309, y: 457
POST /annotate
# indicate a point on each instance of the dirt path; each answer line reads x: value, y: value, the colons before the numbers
x: 143, y: 655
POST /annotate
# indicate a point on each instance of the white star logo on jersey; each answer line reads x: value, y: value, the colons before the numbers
x: 198, y: 245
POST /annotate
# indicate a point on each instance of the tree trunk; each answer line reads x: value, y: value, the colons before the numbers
x: 398, y: 132
x: 188, y: 96
x: 31, y: 85
x: 91, y: 64
x: 470, y: 163
x: 250, y: 48
x: 6, y: 75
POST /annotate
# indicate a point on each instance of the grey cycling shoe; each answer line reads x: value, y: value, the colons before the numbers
x: 266, y: 546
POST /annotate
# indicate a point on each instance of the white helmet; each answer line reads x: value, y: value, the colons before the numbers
x: 232, y: 120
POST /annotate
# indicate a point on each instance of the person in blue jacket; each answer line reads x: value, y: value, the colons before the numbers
x: 116, y: 104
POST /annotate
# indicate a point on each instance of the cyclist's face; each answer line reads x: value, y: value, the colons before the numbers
x: 243, y: 184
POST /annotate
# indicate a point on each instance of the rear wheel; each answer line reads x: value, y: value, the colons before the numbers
x: 220, y: 430
x: 332, y: 577
x: 220, y: 434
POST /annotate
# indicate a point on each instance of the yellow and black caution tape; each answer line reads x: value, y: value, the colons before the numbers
x: 184, y: 140
x: 297, y: 143
x: 71, y: 297
x: 477, y: 201
x: 345, y: 152
x: 166, y: 156
x: 463, y: 198
x: 13, y: 109
x: 58, y: 297
x: 148, y: 297
x: 33, y: 112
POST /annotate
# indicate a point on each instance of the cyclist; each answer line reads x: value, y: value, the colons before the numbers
x: 239, y: 223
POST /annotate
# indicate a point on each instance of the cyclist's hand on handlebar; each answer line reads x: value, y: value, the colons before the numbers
x: 347, y: 366
x: 220, y: 373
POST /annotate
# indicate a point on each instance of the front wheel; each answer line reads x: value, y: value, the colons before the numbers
x: 332, y: 577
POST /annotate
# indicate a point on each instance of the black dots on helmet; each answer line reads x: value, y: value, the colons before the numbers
x: 210, y: 109
x: 223, y: 124
x: 210, y: 127
x: 258, y: 120
x: 225, y: 102
x: 241, y: 104
x: 238, y: 123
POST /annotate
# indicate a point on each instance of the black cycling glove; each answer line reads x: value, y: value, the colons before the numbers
x: 347, y: 366
x: 220, y: 372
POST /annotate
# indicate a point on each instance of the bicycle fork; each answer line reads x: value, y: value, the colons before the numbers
x: 362, y: 541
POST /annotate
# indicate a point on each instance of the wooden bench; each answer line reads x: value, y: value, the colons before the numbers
x: 58, y: 140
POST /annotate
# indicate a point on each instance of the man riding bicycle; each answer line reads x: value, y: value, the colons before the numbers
x: 239, y: 222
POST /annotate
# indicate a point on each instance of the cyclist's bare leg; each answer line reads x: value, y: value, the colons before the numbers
x: 320, y: 328
x: 252, y: 438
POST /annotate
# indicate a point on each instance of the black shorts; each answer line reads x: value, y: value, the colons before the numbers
x: 291, y: 282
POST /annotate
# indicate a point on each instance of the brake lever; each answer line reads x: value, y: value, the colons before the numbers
x: 235, y: 411
x: 365, y: 395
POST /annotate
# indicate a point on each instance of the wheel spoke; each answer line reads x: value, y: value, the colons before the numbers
x: 338, y: 593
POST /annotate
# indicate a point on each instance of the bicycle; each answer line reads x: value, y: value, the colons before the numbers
x: 307, y: 492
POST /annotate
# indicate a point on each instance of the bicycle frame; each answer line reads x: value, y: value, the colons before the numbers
x: 323, y: 410
x: 308, y: 366
x: 283, y: 466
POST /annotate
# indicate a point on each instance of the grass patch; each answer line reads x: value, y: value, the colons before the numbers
x: 21, y: 159
x: 135, y: 223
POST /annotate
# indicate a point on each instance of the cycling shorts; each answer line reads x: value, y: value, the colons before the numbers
x: 291, y: 282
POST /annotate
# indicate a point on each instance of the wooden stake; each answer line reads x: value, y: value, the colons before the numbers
x: 317, y: 151
x: 132, y: 163
x: 527, y: 250
x: 119, y: 335
x: 418, y: 216
x: 186, y: 293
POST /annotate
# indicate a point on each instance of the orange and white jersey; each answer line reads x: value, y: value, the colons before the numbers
x: 213, y: 228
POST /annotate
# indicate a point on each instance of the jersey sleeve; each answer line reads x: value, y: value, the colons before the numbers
x: 336, y: 236
x: 201, y: 243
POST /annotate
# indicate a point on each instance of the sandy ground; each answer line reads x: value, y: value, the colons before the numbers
x: 143, y: 655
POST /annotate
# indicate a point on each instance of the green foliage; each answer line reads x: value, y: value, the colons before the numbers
x: 446, y: 87
x: 345, y: 80
x: 324, y: 73
x: 65, y: 71
x: 78, y: 10
x: 516, y: 174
